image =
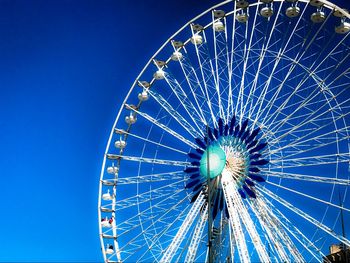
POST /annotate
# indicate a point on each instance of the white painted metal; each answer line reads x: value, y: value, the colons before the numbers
x: 323, y: 227
x: 236, y: 225
x: 276, y: 232
x: 197, y: 236
x: 293, y: 230
x: 183, y: 230
x: 237, y: 207
x: 159, y: 196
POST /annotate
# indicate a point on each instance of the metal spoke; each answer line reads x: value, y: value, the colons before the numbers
x: 180, y: 235
x: 197, y: 236
x: 308, y: 196
x: 304, y: 215
x: 162, y: 126
x: 266, y: 83
x: 309, y: 178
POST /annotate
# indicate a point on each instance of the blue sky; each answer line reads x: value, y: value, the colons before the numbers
x: 65, y: 67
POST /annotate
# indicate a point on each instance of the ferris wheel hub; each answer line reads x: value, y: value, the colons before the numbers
x: 217, y: 161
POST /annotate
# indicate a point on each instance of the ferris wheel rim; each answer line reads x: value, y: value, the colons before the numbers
x: 147, y: 65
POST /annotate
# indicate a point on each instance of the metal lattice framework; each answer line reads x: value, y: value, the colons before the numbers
x: 266, y: 84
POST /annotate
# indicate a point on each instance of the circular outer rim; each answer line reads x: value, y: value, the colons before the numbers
x: 327, y: 4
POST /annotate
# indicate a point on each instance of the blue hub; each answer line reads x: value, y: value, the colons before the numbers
x: 232, y: 147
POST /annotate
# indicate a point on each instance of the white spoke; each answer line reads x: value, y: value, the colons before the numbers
x: 174, y: 113
x: 147, y: 160
x: 274, y: 233
x: 150, y: 141
x: 309, y: 178
x: 164, y: 127
x: 261, y: 89
x: 204, y: 79
x: 194, y: 83
x: 177, y: 240
x: 235, y: 221
x: 306, y: 216
x: 197, y: 236
x: 148, y: 178
x: 289, y: 227
x: 309, y: 196
x: 311, y: 160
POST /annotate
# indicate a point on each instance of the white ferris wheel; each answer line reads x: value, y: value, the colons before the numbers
x: 233, y: 142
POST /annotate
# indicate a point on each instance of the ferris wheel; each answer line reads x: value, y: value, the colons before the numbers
x: 233, y: 142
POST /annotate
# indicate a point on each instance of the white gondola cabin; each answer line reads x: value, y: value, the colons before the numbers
x: 112, y: 170
x: 176, y: 56
x: 318, y: 17
x: 343, y: 28
x: 266, y: 11
x: 196, y: 39
x: 219, y: 26
x: 143, y: 96
x: 292, y: 11
x: 159, y: 74
x: 109, y: 249
x: 107, y: 196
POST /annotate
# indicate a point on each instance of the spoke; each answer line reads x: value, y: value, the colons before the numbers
x: 228, y: 72
x: 309, y: 196
x: 135, y: 244
x: 192, y: 81
x: 215, y: 73
x: 206, y: 88
x: 333, y: 80
x: 305, y: 216
x: 230, y: 105
x: 309, y: 178
x: 133, y: 222
x: 314, y: 131
x: 149, y: 178
x: 228, y: 188
x: 247, y: 50
x: 291, y: 228
x: 262, y: 54
x: 184, y: 228
x: 310, y: 137
x: 183, y: 98
x: 273, y: 232
x: 197, y: 236
x: 241, y: 87
x: 273, y: 118
x: 153, y: 194
x: 311, y: 160
x: 311, y: 73
x: 149, y: 141
x: 174, y: 113
x: 313, y: 117
x: 212, y: 79
x: 164, y: 127
x: 156, y: 238
x: 281, y: 54
x: 147, y: 160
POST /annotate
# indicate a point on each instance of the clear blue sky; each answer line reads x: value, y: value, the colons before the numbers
x: 65, y: 67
